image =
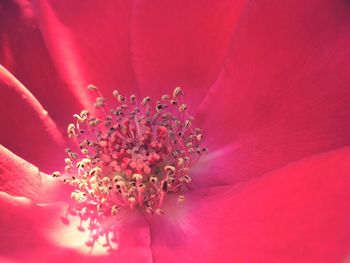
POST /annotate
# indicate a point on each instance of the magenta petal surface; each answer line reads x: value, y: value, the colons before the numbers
x: 181, y: 43
x: 24, y: 53
x: 28, y: 129
x: 284, y: 91
x: 297, y: 214
x: 32, y: 233
x: 89, y: 43
x: 22, y: 179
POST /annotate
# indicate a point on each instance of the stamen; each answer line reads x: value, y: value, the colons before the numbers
x: 134, y: 156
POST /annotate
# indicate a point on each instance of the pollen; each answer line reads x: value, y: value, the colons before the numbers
x: 132, y: 155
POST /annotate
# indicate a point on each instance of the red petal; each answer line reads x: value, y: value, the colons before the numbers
x: 27, y: 128
x: 181, y: 43
x: 89, y: 43
x: 20, y: 178
x: 31, y: 233
x: 23, y: 51
x: 283, y: 93
x: 297, y: 214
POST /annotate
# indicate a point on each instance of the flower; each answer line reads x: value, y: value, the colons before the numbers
x: 266, y: 80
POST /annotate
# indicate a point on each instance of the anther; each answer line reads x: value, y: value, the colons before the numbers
x: 177, y: 92
x: 92, y: 87
x: 146, y: 100
x: 169, y: 169
x: 56, y: 174
x: 71, y: 130
x: 182, y: 108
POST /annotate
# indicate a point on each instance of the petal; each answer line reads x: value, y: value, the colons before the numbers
x: 28, y: 130
x: 99, y: 55
x: 23, y: 51
x: 181, y: 43
x: 31, y: 233
x: 20, y: 178
x: 283, y: 94
x: 297, y: 214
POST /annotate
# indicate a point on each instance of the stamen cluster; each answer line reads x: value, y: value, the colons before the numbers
x: 132, y: 156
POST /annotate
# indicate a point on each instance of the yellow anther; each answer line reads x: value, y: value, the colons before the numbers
x: 84, y: 114
x: 188, y: 123
x: 80, y: 165
x: 71, y: 130
x: 92, y: 87
x: 137, y: 177
x: 169, y: 169
x: 166, y: 97
x: 153, y: 179
x: 121, y: 98
x: 133, y: 99
x: 84, y: 151
x: 146, y: 100
x: 177, y: 92
x: 182, y: 108
x: 56, y: 174
x: 95, y: 171
x: 114, y: 210
x: 115, y: 93
x: 118, y: 178
x: 187, y: 179
x: 159, y: 211
x: 83, y: 184
x: 78, y: 118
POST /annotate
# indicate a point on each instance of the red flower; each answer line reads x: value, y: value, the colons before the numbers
x: 268, y: 81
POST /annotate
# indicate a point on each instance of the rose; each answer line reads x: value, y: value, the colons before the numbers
x: 280, y: 96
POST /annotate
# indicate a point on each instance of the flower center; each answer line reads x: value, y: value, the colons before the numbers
x: 132, y: 156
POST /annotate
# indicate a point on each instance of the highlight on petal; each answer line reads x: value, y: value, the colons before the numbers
x: 89, y: 43
x: 27, y: 128
x: 283, y: 94
x: 181, y: 43
x: 33, y: 233
x: 299, y: 213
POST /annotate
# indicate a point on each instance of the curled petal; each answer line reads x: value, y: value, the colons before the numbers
x: 27, y: 128
x: 24, y: 53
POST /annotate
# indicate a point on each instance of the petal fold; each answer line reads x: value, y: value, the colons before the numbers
x: 23, y: 51
x: 27, y: 128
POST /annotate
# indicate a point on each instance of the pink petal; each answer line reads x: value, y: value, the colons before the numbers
x: 181, y: 43
x: 20, y: 178
x: 31, y: 233
x: 23, y: 51
x: 283, y: 93
x: 297, y: 214
x: 27, y: 128
x: 89, y: 43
